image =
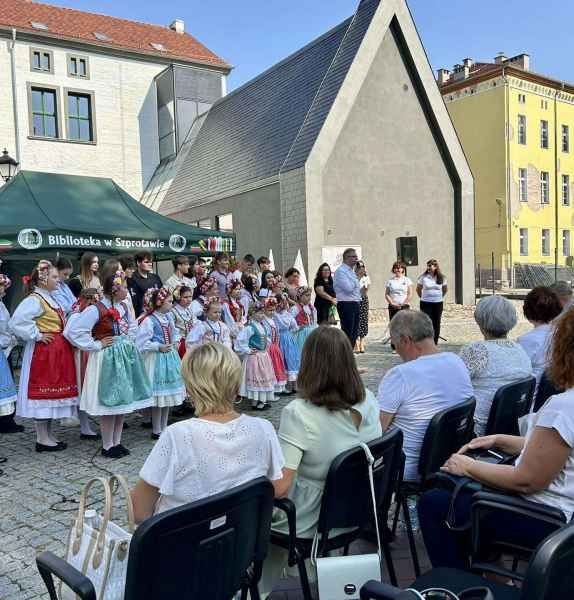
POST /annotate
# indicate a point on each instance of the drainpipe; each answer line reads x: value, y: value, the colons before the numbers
x: 556, y: 195
x: 15, y: 98
x: 508, y: 179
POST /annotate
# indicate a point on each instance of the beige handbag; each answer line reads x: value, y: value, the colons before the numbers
x: 99, y: 549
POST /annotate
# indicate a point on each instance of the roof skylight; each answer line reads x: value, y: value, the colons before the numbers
x: 159, y: 47
x: 102, y: 37
x: 38, y: 25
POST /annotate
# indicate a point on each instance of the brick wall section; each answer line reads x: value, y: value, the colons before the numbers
x: 293, y: 216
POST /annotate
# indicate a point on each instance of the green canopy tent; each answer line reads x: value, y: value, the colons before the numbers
x: 44, y: 215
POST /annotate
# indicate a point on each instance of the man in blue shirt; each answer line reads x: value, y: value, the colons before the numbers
x: 348, y: 293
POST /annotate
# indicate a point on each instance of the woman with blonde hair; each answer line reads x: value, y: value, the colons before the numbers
x: 218, y: 450
x: 88, y: 276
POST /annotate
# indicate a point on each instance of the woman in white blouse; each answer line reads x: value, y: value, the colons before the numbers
x: 432, y: 288
x: 398, y: 289
x: 218, y: 450
x: 496, y: 361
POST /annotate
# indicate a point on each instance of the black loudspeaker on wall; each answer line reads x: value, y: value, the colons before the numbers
x: 407, y: 250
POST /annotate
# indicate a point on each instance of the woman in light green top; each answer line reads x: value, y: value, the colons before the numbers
x: 335, y: 413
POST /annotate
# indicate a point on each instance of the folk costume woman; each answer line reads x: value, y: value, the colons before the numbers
x: 305, y: 315
x: 157, y: 340
x: 233, y: 312
x: 252, y: 344
x: 184, y: 318
x: 275, y: 353
x: 208, y: 289
x: 48, y: 388
x: 211, y: 329
x: 116, y: 382
x: 7, y: 341
x: 287, y: 328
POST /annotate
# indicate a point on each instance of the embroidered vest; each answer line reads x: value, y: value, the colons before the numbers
x: 257, y: 341
x: 302, y: 318
x: 235, y: 309
x: 106, y: 326
x: 161, y: 331
x: 52, y: 320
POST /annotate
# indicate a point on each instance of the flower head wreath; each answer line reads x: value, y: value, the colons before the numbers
x: 256, y: 307
x: 151, y: 303
x: 301, y: 291
x: 118, y: 282
x: 232, y: 286
x: 207, y: 285
x: 209, y: 302
x: 43, y: 268
x: 270, y: 302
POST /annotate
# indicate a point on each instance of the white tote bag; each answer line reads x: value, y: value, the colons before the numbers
x: 341, y: 577
x: 100, y: 550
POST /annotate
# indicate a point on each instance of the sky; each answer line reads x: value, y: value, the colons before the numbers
x: 253, y: 35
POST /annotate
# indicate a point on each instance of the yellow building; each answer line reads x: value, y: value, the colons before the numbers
x: 515, y: 127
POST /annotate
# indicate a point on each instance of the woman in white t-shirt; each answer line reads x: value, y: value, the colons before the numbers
x: 217, y: 451
x: 432, y: 288
x: 398, y: 289
x: 543, y: 471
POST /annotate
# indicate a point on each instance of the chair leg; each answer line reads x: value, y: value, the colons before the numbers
x: 411, y: 538
x: 304, y: 579
x: 515, y: 564
x: 253, y: 593
x: 389, y: 561
x: 398, y: 502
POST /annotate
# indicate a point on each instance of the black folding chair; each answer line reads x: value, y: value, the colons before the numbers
x: 207, y: 549
x: 346, y: 503
x: 446, y: 433
x: 545, y: 389
x: 549, y: 576
x: 510, y: 402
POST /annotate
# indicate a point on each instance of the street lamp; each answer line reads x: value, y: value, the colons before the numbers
x: 8, y: 166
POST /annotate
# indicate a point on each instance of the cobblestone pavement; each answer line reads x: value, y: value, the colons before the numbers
x: 38, y: 491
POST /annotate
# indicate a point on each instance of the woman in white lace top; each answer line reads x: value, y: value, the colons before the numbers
x: 496, y: 361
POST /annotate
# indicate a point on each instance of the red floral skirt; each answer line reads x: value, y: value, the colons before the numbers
x: 53, y: 371
x: 278, y: 363
x: 181, y: 348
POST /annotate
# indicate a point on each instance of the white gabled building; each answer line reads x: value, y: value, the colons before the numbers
x: 88, y: 94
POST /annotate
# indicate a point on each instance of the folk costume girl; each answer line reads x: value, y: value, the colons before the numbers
x: 252, y: 343
x: 183, y: 315
x: 208, y: 289
x: 287, y: 327
x: 274, y: 349
x: 211, y: 329
x: 7, y: 342
x: 233, y: 313
x: 116, y: 382
x: 48, y: 387
x: 157, y: 340
x: 305, y: 315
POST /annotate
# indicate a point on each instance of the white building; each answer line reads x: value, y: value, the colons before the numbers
x: 88, y: 94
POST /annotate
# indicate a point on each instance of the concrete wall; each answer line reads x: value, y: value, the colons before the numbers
x: 385, y: 177
x: 256, y: 220
x: 293, y: 217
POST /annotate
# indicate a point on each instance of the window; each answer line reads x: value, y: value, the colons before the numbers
x: 565, y: 190
x: 545, y: 242
x: 523, y: 241
x: 523, y: 185
x: 41, y: 60
x: 543, y: 104
x: 224, y: 222
x: 203, y: 223
x: 565, y: 242
x: 78, y: 66
x: 44, y: 113
x: 565, y: 138
x: 522, y: 98
x: 79, y: 111
x: 544, y: 187
x: 521, y: 129
x: 544, y: 134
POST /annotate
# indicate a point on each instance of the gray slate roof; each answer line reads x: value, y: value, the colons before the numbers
x: 269, y: 125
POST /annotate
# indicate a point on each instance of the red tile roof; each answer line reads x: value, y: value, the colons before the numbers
x: 66, y: 23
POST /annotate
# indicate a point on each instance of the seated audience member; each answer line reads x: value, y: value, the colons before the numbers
x: 496, y: 361
x: 334, y: 413
x: 427, y: 382
x: 563, y: 290
x: 543, y: 472
x: 218, y: 450
x: 541, y: 306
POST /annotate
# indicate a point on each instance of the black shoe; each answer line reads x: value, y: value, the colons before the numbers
x: 155, y: 436
x: 113, y: 452
x: 11, y: 427
x: 123, y: 450
x: 146, y: 425
x: 57, y: 448
x: 92, y: 437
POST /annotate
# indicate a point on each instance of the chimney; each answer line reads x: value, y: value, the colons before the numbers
x: 468, y: 62
x: 443, y: 76
x: 178, y: 25
x: 521, y: 61
x: 460, y: 72
x: 500, y: 58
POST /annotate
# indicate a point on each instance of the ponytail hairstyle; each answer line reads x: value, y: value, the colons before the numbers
x: 86, y: 273
x: 113, y: 283
x: 38, y: 277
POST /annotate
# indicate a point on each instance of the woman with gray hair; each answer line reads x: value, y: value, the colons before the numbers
x: 496, y: 361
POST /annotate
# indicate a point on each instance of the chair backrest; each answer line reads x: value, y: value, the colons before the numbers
x: 347, y: 500
x: 550, y: 575
x: 446, y: 433
x: 203, y: 549
x: 510, y: 402
x: 545, y: 389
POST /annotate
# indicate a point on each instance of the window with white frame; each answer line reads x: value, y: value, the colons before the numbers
x: 203, y: 223
x: 224, y: 222
x: 78, y: 66
x: 565, y: 138
x: 544, y: 187
x: 523, y: 241
x: 565, y: 190
x: 565, y: 242
x: 543, y: 134
x: 41, y: 60
x: 523, y: 185
x: 522, y: 129
x: 545, y: 242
